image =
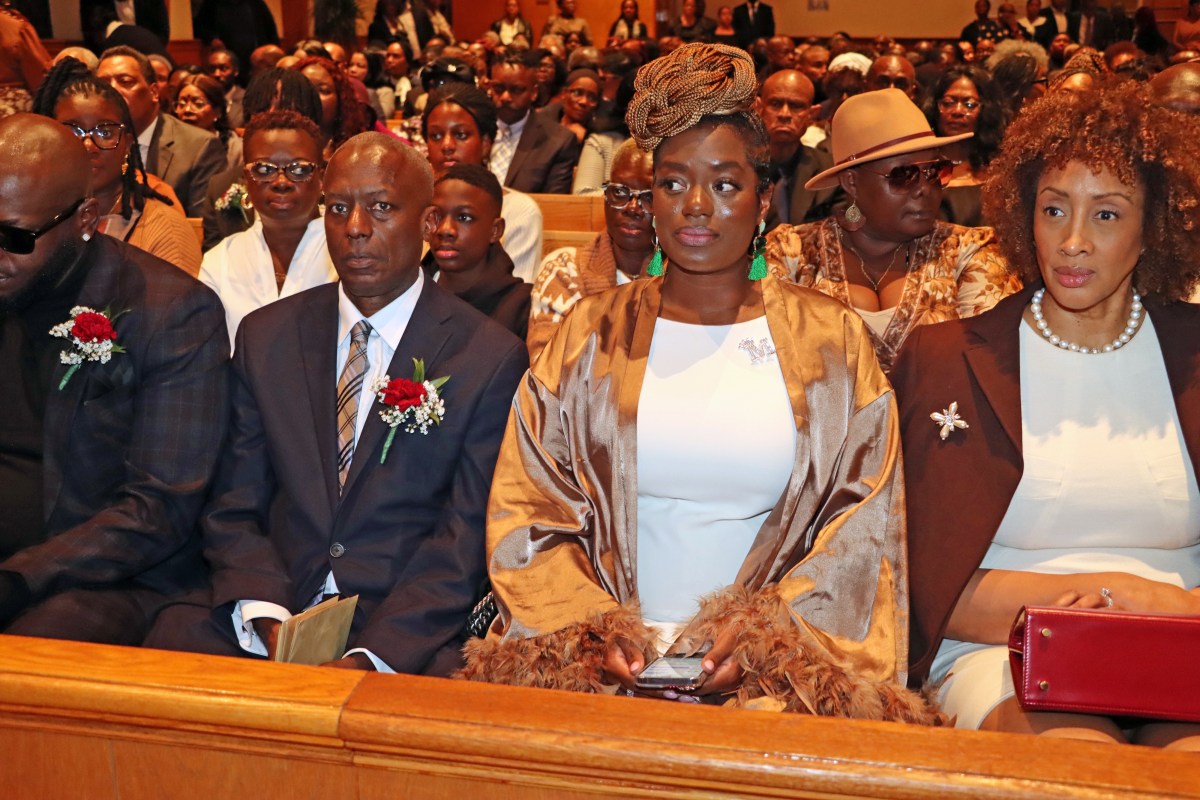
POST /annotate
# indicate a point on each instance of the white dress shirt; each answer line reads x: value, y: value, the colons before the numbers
x: 240, y: 271
x: 505, y: 147
x: 387, y: 327
x: 522, y: 238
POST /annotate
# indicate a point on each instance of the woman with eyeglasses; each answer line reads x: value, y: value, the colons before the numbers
x: 887, y: 255
x: 131, y: 210
x: 200, y: 101
x: 964, y: 100
x: 704, y: 462
x: 616, y: 256
x: 577, y: 104
x: 459, y: 127
x: 284, y: 251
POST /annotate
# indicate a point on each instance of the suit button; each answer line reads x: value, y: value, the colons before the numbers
x: 337, y: 550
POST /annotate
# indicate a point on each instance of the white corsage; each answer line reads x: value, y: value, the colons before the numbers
x: 948, y: 419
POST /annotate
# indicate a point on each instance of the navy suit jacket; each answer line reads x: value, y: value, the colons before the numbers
x: 958, y: 490
x: 130, y: 446
x: 545, y: 158
x: 407, y: 535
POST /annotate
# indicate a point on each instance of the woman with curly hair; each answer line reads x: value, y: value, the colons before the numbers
x: 342, y: 115
x: 637, y: 508
x: 1061, y: 468
x: 964, y: 100
x: 131, y: 209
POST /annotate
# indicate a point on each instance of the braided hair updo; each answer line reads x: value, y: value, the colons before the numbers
x: 699, y: 84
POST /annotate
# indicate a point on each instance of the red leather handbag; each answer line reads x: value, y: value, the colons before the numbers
x: 1114, y: 663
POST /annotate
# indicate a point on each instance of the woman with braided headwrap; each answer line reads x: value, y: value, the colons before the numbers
x: 663, y: 451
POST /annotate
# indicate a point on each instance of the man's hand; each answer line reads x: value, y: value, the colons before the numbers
x: 268, y: 630
x: 352, y: 661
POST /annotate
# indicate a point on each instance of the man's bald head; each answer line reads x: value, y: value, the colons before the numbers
x: 784, y: 103
x: 1177, y: 88
x: 388, y: 152
x: 40, y: 157
x: 892, y: 72
x: 781, y: 52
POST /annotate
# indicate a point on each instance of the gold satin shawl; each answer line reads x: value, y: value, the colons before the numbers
x: 562, y: 519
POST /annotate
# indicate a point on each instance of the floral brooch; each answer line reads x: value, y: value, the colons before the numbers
x: 92, y: 338
x: 415, y: 403
x: 236, y: 200
x: 949, y: 420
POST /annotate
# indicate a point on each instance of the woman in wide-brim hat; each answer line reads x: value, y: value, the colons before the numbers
x: 887, y: 255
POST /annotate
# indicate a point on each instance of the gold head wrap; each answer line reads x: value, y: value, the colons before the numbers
x: 673, y: 92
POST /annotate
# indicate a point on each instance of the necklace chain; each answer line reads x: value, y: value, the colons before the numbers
x: 1132, y: 326
x: 862, y: 262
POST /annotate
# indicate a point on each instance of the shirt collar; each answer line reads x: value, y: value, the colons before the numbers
x: 389, y: 322
x: 145, y: 137
x: 515, y: 129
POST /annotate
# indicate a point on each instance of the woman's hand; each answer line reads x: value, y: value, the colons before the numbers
x: 1131, y: 593
x: 622, y: 663
x: 724, y: 671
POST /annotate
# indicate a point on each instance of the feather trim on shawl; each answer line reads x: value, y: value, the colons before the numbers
x: 571, y: 658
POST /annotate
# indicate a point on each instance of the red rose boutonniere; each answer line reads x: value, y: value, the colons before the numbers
x: 415, y: 403
x: 92, y: 338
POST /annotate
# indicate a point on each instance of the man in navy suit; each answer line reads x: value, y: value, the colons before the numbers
x: 752, y: 20
x: 104, y: 466
x: 530, y: 154
x: 310, y: 500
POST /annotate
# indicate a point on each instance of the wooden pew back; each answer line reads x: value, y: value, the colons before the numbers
x: 97, y: 722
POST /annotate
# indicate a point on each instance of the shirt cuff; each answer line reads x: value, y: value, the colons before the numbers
x: 243, y: 616
x: 375, y: 661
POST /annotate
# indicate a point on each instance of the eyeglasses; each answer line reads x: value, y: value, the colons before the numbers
x: 20, y: 242
x: 106, y: 135
x: 905, y: 176
x: 619, y: 196
x: 198, y: 103
x: 297, y: 172
x: 950, y: 103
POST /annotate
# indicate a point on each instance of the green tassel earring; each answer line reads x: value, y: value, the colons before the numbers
x: 758, y: 264
x: 655, y: 267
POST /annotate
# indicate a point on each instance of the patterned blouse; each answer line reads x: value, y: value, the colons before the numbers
x: 957, y: 272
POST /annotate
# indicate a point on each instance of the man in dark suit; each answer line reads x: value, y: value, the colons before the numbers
x: 96, y: 15
x: 784, y: 103
x: 182, y: 155
x: 104, y: 465
x: 752, y: 20
x: 1091, y: 26
x: 310, y: 499
x: 1057, y: 21
x: 529, y: 154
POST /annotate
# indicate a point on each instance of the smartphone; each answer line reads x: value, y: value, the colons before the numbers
x: 682, y: 673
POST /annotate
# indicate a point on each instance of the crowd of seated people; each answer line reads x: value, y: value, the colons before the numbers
x: 290, y: 332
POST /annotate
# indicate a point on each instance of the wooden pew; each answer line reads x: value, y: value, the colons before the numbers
x: 552, y: 240
x: 569, y: 212
x: 96, y: 722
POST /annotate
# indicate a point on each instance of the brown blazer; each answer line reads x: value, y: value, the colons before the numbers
x: 960, y: 489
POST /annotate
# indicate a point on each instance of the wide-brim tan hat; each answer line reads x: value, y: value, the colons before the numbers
x: 876, y: 125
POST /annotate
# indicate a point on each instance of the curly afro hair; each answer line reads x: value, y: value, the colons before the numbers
x: 1113, y: 127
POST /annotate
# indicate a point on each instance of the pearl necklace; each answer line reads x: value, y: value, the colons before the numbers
x: 1131, y: 327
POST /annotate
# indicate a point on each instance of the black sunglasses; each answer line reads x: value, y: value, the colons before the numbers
x: 905, y: 176
x: 618, y: 195
x: 20, y: 242
x: 297, y: 171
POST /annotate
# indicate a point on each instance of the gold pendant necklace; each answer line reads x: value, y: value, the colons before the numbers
x: 862, y: 262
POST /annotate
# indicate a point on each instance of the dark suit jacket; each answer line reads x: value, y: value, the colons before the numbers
x: 378, y: 31
x: 130, y: 446
x: 545, y: 158
x: 763, y: 26
x: 1047, y: 32
x: 411, y: 530
x: 219, y: 224
x: 1103, y: 33
x: 959, y: 489
x: 185, y: 157
x: 94, y: 16
x: 143, y: 40
x: 805, y: 205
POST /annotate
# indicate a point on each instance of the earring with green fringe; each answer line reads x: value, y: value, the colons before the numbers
x: 758, y: 264
x: 656, y: 267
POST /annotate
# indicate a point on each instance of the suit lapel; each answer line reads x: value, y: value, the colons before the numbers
x: 531, y: 138
x: 1177, y: 341
x: 423, y: 338
x: 317, y: 330
x: 101, y: 289
x: 162, y: 147
x: 995, y: 361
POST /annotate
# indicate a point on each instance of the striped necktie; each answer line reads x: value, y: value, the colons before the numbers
x: 349, y: 390
x: 503, y: 150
